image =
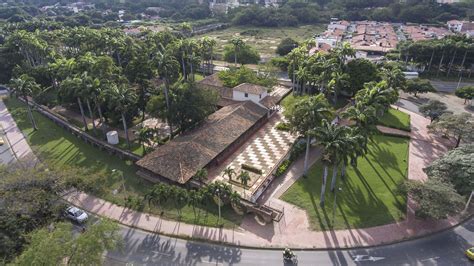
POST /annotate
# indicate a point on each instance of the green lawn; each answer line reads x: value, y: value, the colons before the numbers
x: 395, y: 119
x: 55, y: 145
x: 368, y: 197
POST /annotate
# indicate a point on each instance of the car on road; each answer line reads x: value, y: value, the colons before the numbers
x: 3, y: 90
x: 470, y: 253
x: 1, y: 141
x: 76, y: 214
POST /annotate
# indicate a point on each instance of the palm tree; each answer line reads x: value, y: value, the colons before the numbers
x: 180, y: 198
x: 145, y: 136
x: 305, y: 116
x: 207, y: 50
x: 338, y: 82
x: 194, y: 199
x: 167, y: 66
x: 229, y: 172
x: 157, y: 195
x: 237, y: 43
x: 333, y: 139
x: 244, y: 178
x: 25, y: 86
x: 121, y: 99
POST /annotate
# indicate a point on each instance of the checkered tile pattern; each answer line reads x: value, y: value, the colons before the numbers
x: 263, y: 151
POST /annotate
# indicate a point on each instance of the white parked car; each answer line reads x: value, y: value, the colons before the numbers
x: 76, y: 214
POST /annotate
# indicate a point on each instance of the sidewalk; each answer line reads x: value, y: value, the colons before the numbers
x: 292, y: 230
x: 15, y: 139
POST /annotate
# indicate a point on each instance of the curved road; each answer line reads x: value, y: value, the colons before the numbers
x: 143, y: 248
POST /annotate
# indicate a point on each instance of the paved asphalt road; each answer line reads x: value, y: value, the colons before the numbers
x: 142, y: 248
x: 449, y: 86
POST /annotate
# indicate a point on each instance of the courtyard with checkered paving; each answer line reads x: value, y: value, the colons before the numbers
x: 262, y: 152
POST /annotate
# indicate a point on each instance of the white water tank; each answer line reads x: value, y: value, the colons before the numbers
x: 112, y: 137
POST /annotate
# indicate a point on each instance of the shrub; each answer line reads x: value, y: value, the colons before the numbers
x: 280, y: 62
x: 251, y: 168
x: 283, y: 126
x: 282, y: 167
x: 285, y: 46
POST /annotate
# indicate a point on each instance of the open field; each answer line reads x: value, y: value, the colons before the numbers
x: 368, y: 194
x: 265, y: 40
x: 54, y: 145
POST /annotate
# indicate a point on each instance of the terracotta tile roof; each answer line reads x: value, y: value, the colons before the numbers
x: 182, y: 157
x: 213, y: 82
x: 269, y: 101
x: 250, y: 88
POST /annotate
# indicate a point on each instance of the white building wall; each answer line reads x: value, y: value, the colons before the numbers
x: 240, y: 96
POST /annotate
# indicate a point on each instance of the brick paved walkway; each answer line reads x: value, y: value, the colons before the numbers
x: 292, y: 230
x: 15, y: 139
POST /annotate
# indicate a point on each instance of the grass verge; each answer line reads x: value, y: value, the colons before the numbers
x: 368, y: 196
x: 55, y: 145
x: 395, y: 119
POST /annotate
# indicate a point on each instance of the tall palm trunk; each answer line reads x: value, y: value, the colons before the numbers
x: 334, y: 177
x: 99, y: 110
x: 30, y: 113
x: 235, y: 56
x: 168, y: 107
x: 184, y: 67
x: 343, y: 170
x: 323, y: 186
x: 431, y: 60
x: 462, y: 63
x: 451, y: 63
x: 82, y: 113
x: 440, y: 63
x: 125, y: 129
x: 91, y: 114
x: 306, y: 156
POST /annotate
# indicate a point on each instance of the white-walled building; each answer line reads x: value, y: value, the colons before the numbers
x: 249, y: 92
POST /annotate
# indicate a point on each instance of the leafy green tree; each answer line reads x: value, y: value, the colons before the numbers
x: 360, y: 72
x: 307, y: 115
x: 418, y: 85
x: 459, y: 126
x: 51, y: 247
x: 466, y: 93
x: 236, y: 76
x: 240, y: 52
x: 26, y: 86
x: 30, y: 200
x: 433, y: 109
x: 456, y: 167
x: 436, y: 199
x: 285, y: 46
x: 188, y: 105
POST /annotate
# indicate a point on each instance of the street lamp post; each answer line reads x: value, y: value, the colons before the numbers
x: 334, y: 205
x: 219, y: 204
